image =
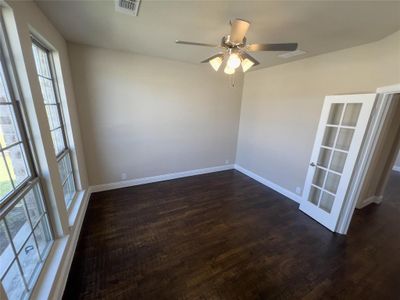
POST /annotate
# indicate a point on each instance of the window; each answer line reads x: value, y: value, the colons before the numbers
x: 25, y: 235
x: 51, y: 97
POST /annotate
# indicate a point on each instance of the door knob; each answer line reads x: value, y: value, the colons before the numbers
x: 312, y: 164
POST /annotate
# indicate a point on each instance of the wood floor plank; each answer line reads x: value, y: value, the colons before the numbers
x: 225, y: 236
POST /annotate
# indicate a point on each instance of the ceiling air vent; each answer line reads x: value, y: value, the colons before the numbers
x: 129, y: 7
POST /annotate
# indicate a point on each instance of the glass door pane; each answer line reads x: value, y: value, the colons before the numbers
x: 351, y: 114
x: 331, y: 160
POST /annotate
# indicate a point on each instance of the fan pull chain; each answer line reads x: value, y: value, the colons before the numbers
x: 232, y: 79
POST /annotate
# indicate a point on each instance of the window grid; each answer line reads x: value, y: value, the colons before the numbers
x: 14, y: 162
x: 42, y: 220
x: 25, y: 231
x: 51, y: 97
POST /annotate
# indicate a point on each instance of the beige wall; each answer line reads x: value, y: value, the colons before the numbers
x: 146, y: 116
x: 281, y: 105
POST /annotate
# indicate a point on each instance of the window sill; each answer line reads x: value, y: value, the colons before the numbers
x: 54, y: 275
x: 75, y: 206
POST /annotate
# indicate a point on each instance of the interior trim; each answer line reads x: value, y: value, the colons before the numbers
x: 151, y: 179
x: 270, y: 184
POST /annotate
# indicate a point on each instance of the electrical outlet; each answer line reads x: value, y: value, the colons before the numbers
x: 298, y: 190
x: 226, y: 161
x: 123, y: 176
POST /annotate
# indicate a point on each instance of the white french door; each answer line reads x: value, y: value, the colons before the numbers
x: 341, y: 130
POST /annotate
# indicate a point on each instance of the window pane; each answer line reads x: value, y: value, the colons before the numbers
x: 5, y: 181
x: 314, y: 195
x: 46, y: 85
x: 8, y: 126
x: 350, y: 117
x: 43, y: 236
x: 332, y: 182
x: 69, y: 189
x: 13, y: 284
x: 344, y: 139
x: 18, y: 225
x: 58, y: 141
x: 319, y: 177
x: 41, y: 61
x: 324, y: 157
x: 329, y: 136
x: 338, y: 161
x: 335, y: 113
x: 326, y: 202
x: 16, y: 162
x: 64, y: 166
x: 34, y: 205
x: 29, y: 258
x: 53, y: 116
x: 4, y: 96
x: 6, y: 252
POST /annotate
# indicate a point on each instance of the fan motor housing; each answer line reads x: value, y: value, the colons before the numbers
x: 226, y: 42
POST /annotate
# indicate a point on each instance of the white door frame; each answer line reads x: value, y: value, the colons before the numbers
x: 382, y: 105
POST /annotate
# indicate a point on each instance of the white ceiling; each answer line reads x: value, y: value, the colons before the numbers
x: 318, y: 26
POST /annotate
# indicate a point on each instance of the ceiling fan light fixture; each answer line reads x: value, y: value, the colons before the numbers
x: 233, y: 61
x: 228, y: 70
x: 234, y: 49
x: 216, y: 63
x: 247, y: 64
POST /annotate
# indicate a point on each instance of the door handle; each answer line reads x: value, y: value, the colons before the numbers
x: 313, y: 164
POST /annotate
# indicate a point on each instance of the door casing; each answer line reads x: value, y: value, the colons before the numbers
x: 380, y: 111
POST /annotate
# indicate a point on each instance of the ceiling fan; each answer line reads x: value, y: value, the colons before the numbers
x: 234, y: 49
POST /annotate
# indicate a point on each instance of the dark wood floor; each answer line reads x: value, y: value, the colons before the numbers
x: 225, y: 236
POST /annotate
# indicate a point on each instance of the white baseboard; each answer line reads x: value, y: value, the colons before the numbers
x: 145, y: 180
x: 396, y: 168
x: 269, y: 184
x: 368, y: 201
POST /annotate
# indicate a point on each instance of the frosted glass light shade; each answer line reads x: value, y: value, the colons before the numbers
x: 247, y: 64
x: 216, y: 63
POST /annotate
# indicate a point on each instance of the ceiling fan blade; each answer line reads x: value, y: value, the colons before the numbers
x: 238, y: 30
x: 196, y: 44
x: 212, y: 57
x: 272, y: 47
x: 249, y: 57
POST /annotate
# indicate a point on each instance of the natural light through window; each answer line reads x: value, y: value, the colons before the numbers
x: 25, y: 235
x: 52, y: 103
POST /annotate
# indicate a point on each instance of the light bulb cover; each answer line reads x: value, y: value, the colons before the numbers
x: 233, y: 61
x: 247, y: 64
x: 228, y: 70
x: 248, y: 61
x: 216, y: 63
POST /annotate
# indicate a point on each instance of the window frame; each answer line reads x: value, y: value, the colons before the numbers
x: 31, y: 184
x: 15, y: 102
x: 56, y: 89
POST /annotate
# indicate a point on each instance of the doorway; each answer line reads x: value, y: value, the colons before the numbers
x: 373, y: 155
x: 385, y: 158
x: 377, y: 158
